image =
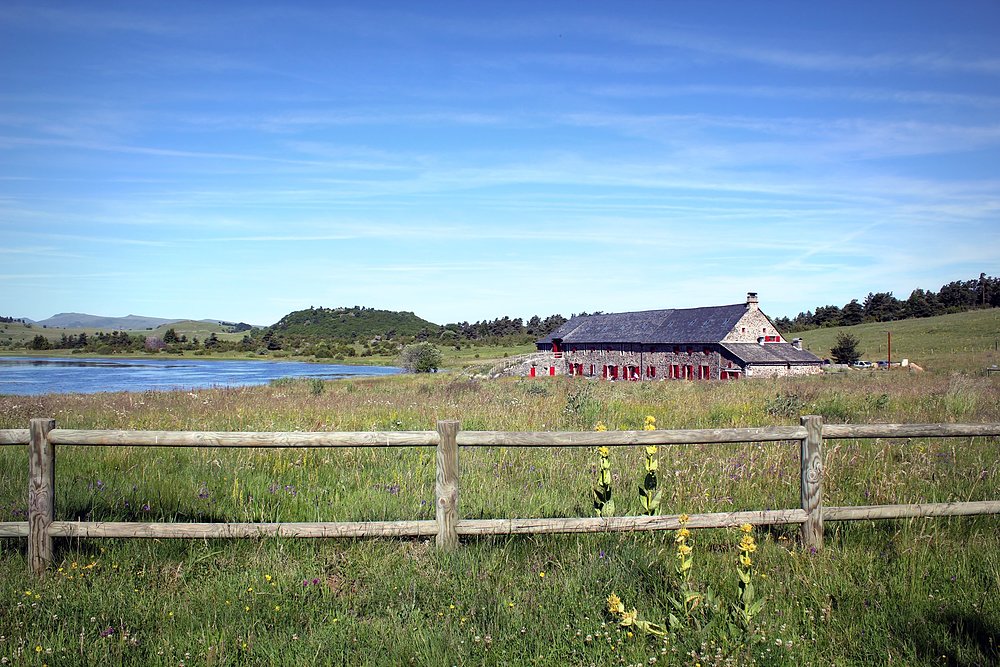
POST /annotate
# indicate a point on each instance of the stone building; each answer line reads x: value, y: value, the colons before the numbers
x: 710, y: 343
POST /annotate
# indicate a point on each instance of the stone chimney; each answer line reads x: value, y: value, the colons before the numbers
x: 752, y: 301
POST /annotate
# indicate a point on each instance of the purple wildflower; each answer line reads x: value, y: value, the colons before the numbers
x: 107, y: 633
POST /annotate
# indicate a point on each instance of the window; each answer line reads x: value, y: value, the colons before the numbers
x: 651, y: 371
x: 706, y: 372
x: 675, y: 371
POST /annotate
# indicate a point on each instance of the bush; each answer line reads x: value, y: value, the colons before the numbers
x: 420, y: 358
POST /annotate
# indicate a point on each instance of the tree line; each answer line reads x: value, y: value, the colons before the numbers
x: 955, y: 297
x: 121, y: 342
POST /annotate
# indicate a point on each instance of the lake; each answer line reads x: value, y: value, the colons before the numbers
x: 62, y: 375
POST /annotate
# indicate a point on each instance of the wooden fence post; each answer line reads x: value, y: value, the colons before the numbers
x: 812, y: 482
x: 41, y: 494
x: 446, y: 488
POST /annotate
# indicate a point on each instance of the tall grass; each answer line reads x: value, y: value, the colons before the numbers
x: 913, y: 592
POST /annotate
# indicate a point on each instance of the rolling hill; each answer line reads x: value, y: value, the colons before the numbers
x: 355, y: 323
x: 85, y: 321
x: 965, y: 342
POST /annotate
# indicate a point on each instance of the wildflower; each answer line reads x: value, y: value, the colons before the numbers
x: 600, y: 427
x: 541, y: 574
x: 604, y: 451
x: 651, y: 450
x: 748, y: 544
x: 682, y: 535
x: 746, y: 528
x: 650, y: 423
x: 615, y: 605
x: 745, y: 560
x: 267, y: 577
x: 683, y: 550
x: 629, y: 618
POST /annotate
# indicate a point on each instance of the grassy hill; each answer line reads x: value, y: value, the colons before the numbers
x: 355, y: 323
x: 198, y: 328
x: 964, y: 342
x: 16, y: 334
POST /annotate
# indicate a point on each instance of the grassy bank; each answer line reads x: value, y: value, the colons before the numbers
x: 912, y: 592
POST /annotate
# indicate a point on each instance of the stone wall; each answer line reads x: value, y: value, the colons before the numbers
x: 782, y: 371
x: 752, y: 326
x: 662, y: 361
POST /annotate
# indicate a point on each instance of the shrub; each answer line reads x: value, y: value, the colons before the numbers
x: 420, y: 358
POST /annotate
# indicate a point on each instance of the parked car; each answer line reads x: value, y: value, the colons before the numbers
x: 862, y: 364
x: 883, y: 364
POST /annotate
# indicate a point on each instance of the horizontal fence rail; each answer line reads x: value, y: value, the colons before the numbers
x: 42, y: 438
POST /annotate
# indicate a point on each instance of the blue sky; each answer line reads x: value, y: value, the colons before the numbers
x: 468, y: 161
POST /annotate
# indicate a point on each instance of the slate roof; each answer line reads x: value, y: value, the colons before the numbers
x: 770, y: 353
x: 677, y: 325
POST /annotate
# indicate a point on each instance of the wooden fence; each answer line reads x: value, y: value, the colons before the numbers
x: 42, y: 438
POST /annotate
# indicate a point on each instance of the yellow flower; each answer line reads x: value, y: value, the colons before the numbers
x: 38, y: 649
x: 682, y: 535
x: 683, y: 518
x: 651, y: 450
x: 600, y: 426
x: 629, y: 618
x: 745, y: 560
x: 541, y: 574
x: 650, y: 421
x: 267, y: 577
x: 604, y: 451
x: 748, y: 544
x: 683, y: 550
x: 615, y: 605
x: 746, y: 528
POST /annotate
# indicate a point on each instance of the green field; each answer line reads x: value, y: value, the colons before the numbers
x: 914, y: 592
x: 966, y: 342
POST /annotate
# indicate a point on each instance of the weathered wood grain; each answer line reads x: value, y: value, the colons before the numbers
x: 622, y: 438
x: 446, y: 485
x: 14, y: 529
x: 916, y: 510
x: 14, y: 436
x: 831, y: 431
x: 121, y: 529
x: 238, y: 439
x: 812, y: 482
x: 620, y: 524
x: 41, y: 494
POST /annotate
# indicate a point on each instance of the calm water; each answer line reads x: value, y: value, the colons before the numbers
x: 34, y: 375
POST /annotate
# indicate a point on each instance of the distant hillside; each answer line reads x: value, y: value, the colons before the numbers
x: 966, y: 342
x: 355, y: 323
x: 84, y: 321
x: 200, y: 329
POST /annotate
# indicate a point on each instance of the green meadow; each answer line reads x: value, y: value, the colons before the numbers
x: 967, y: 342
x: 919, y: 591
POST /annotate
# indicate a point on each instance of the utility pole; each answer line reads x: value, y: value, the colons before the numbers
x: 888, y: 354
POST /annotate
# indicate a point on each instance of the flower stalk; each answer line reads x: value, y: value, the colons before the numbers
x: 604, y: 504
